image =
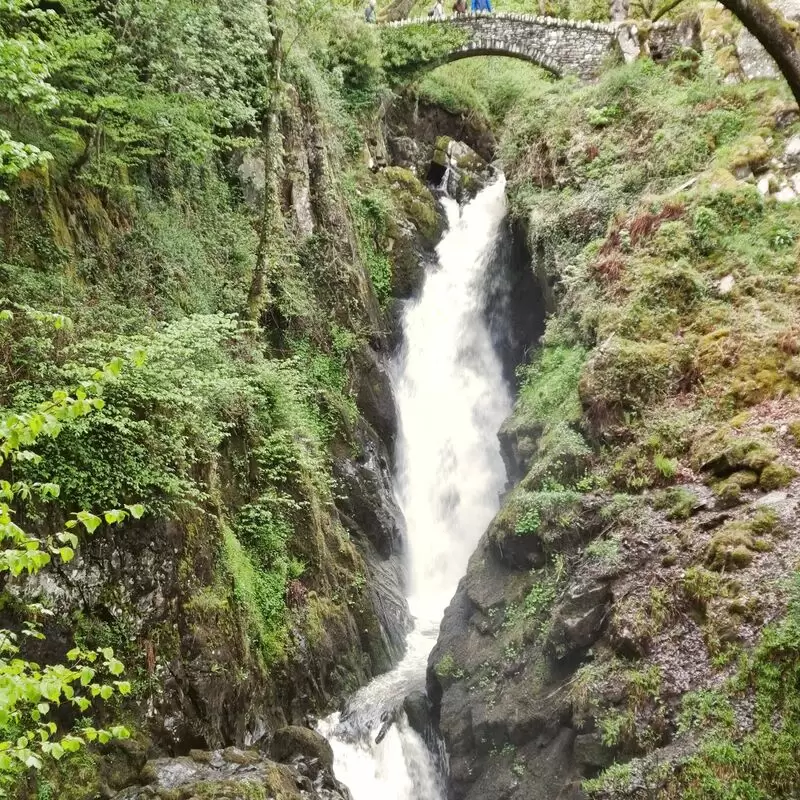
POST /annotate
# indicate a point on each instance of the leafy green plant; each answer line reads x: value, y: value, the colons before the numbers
x: 31, y: 695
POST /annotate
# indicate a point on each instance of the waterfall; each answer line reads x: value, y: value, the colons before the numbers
x: 451, y: 399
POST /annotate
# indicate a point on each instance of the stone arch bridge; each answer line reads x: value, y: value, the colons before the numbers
x: 561, y: 46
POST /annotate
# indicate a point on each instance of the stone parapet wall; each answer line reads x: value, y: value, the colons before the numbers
x: 562, y: 46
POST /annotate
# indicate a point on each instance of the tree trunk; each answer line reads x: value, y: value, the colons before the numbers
x: 270, y: 211
x: 772, y: 31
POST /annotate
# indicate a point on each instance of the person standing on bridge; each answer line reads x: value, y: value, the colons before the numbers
x: 482, y: 5
x: 369, y: 12
x: 437, y: 12
x: 460, y: 8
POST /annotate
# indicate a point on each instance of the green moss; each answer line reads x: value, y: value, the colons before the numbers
x: 722, y: 454
x: 776, y: 476
x: 679, y: 503
x: 700, y: 586
x: 794, y: 432
x: 729, y: 491
x: 733, y: 547
x: 415, y: 199
x: 751, y: 152
x: 766, y: 522
x: 447, y: 668
x: 760, y: 762
x: 74, y: 777
x: 260, y: 595
x: 624, y: 376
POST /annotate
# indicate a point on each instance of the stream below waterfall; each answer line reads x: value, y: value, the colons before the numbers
x: 451, y: 400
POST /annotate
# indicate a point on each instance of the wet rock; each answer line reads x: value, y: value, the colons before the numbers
x: 213, y: 777
x: 590, y: 753
x: 369, y: 512
x: 405, y: 152
x: 418, y: 710
x: 580, y: 618
x: 292, y: 741
x: 409, y: 116
x: 374, y: 394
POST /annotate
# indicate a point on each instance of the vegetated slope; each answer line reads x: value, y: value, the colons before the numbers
x: 627, y: 626
x: 264, y: 580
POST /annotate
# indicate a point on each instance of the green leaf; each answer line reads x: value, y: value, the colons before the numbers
x: 139, y: 357
x: 71, y: 744
x: 66, y: 553
x: 137, y: 510
x: 89, y: 521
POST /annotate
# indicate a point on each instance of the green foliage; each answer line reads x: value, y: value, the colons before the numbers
x: 260, y: 593
x: 354, y: 55
x: 113, y: 87
x: 606, y: 551
x: 371, y: 215
x: 542, y: 595
x: 759, y: 762
x: 549, y: 385
x: 546, y: 513
x: 481, y: 87
x: 407, y: 48
x: 617, y: 778
x: 31, y: 728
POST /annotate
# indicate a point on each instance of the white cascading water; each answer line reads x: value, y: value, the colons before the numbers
x: 451, y: 400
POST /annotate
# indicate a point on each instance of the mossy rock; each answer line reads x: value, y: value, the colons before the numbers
x: 733, y: 547
x: 723, y: 455
x: 767, y: 522
x: 729, y: 491
x: 624, y: 376
x: 753, y: 152
x: 415, y: 199
x: 679, y: 503
x: 294, y: 741
x: 776, y: 476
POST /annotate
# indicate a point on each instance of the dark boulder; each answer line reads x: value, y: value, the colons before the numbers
x: 292, y: 741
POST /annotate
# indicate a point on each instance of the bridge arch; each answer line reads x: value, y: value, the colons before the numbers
x: 559, y: 46
x: 484, y: 46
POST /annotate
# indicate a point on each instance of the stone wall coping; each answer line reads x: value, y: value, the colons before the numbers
x: 552, y: 22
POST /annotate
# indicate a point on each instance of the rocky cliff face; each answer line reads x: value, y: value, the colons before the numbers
x: 627, y: 621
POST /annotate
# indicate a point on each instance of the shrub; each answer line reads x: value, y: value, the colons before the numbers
x: 354, y: 54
